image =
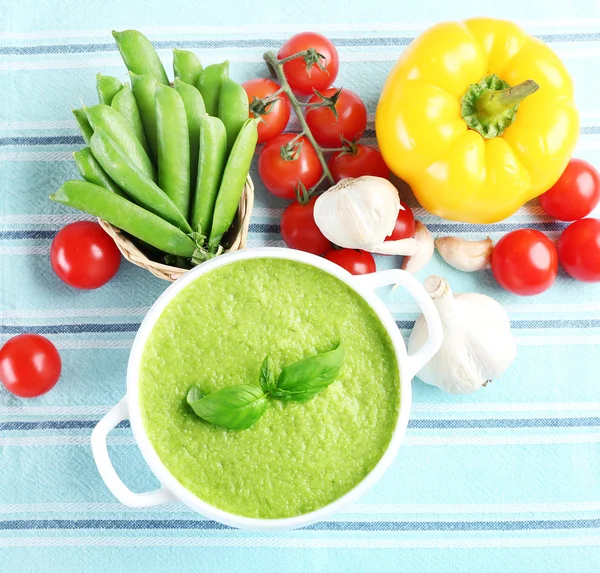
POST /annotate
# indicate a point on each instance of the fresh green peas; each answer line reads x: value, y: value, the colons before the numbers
x: 194, y: 110
x: 173, y: 147
x: 84, y: 124
x: 232, y: 184
x: 92, y: 171
x: 211, y: 161
x: 124, y: 102
x: 137, y: 184
x: 107, y: 88
x: 115, y: 125
x: 186, y: 66
x: 143, y: 88
x: 125, y: 215
x: 209, y: 85
x: 139, y: 55
x: 233, y: 109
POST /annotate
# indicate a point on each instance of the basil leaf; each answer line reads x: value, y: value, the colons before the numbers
x: 267, y: 376
x: 235, y: 407
x: 194, y: 394
x: 304, y: 379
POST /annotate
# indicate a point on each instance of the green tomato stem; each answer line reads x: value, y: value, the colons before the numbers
x: 277, y: 66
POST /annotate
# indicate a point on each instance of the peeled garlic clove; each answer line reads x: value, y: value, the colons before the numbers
x: 467, y: 256
x: 478, y: 344
x: 400, y: 247
x: 358, y: 213
x: 414, y: 263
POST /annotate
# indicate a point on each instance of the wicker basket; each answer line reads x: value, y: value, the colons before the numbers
x: 133, y: 254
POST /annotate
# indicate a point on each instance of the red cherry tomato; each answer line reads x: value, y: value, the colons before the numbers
x: 302, y: 80
x: 29, y: 365
x: 525, y: 262
x: 575, y: 194
x: 364, y: 160
x: 282, y: 171
x: 275, y: 115
x: 299, y: 230
x: 405, y: 224
x: 84, y: 256
x: 579, y: 250
x: 354, y: 261
x: 351, y: 119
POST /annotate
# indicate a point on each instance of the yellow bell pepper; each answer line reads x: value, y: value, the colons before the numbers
x: 447, y: 121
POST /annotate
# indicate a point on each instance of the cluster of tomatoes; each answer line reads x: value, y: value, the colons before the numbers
x: 525, y: 262
x: 288, y: 164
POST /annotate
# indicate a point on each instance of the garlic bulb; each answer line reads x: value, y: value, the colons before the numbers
x: 360, y: 213
x: 421, y: 258
x: 478, y: 344
x: 467, y: 256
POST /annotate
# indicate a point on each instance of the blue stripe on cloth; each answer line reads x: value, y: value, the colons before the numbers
x: 94, y: 327
x: 255, y: 43
x: 202, y: 524
x: 417, y: 424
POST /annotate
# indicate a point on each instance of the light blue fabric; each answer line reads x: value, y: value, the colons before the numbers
x: 504, y: 480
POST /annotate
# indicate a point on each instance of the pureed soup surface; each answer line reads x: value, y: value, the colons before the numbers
x: 299, y: 456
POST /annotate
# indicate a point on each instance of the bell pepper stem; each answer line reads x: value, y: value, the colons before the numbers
x: 276, y: 66
x: 492, y: 103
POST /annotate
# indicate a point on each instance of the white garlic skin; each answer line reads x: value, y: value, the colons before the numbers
x: 358, y: 213
x: 478, y: 343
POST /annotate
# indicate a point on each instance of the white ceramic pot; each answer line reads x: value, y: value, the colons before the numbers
x: 172, y: 490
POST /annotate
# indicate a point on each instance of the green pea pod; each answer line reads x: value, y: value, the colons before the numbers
x: 134, y: 181
x: 143, y: 88
x: 232, y: 184
x: 115, y: 125
x: 186, y: 66
x: 125, y: 215
x: 173, y: 147
x: 194, y: 110
x: 107, y: 88
x: 84, y: 124
x: 211, y: 163
x: 139, y: 55
x: 233, y: 109
x: 209, y: 85
x: 92, y: 171
x: 124, y: 102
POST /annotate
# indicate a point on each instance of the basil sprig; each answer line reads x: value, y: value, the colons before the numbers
x: 239, y: 407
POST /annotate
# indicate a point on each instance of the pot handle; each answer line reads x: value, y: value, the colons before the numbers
x: 397, y: 277
x: 107, y: 471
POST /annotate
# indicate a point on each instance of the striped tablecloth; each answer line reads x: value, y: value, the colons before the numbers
x: 505, y: 480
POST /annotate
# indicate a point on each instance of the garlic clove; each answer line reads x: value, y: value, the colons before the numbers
x: 414, y: 263
x: 400, y: 247
x: 467, y: 256
x: 358, y: 213
x: 478, y: 344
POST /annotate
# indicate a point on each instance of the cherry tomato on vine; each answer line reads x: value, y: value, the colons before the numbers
x: 29, y: 365
x: 361, y: 160
x: 306, y: 74
x: 575, y: 194
x: 299, y: 230
x: 350, y: 123
x: 354, y: 261
x: 275, y: 115
x: 84, y: 256
x: 283, y: 164
x: 525, y: 262
x: 405, y: 224
x: 579, y: 250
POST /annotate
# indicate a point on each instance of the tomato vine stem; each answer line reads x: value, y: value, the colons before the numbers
x: 276, y: 65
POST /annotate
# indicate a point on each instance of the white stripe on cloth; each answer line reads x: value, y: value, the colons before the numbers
x: 36, y: 155
x: 301, y: 542
x: 285, y: 28
x: 73, y: 312
x: 510, y: 440
x: 356, y: 509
